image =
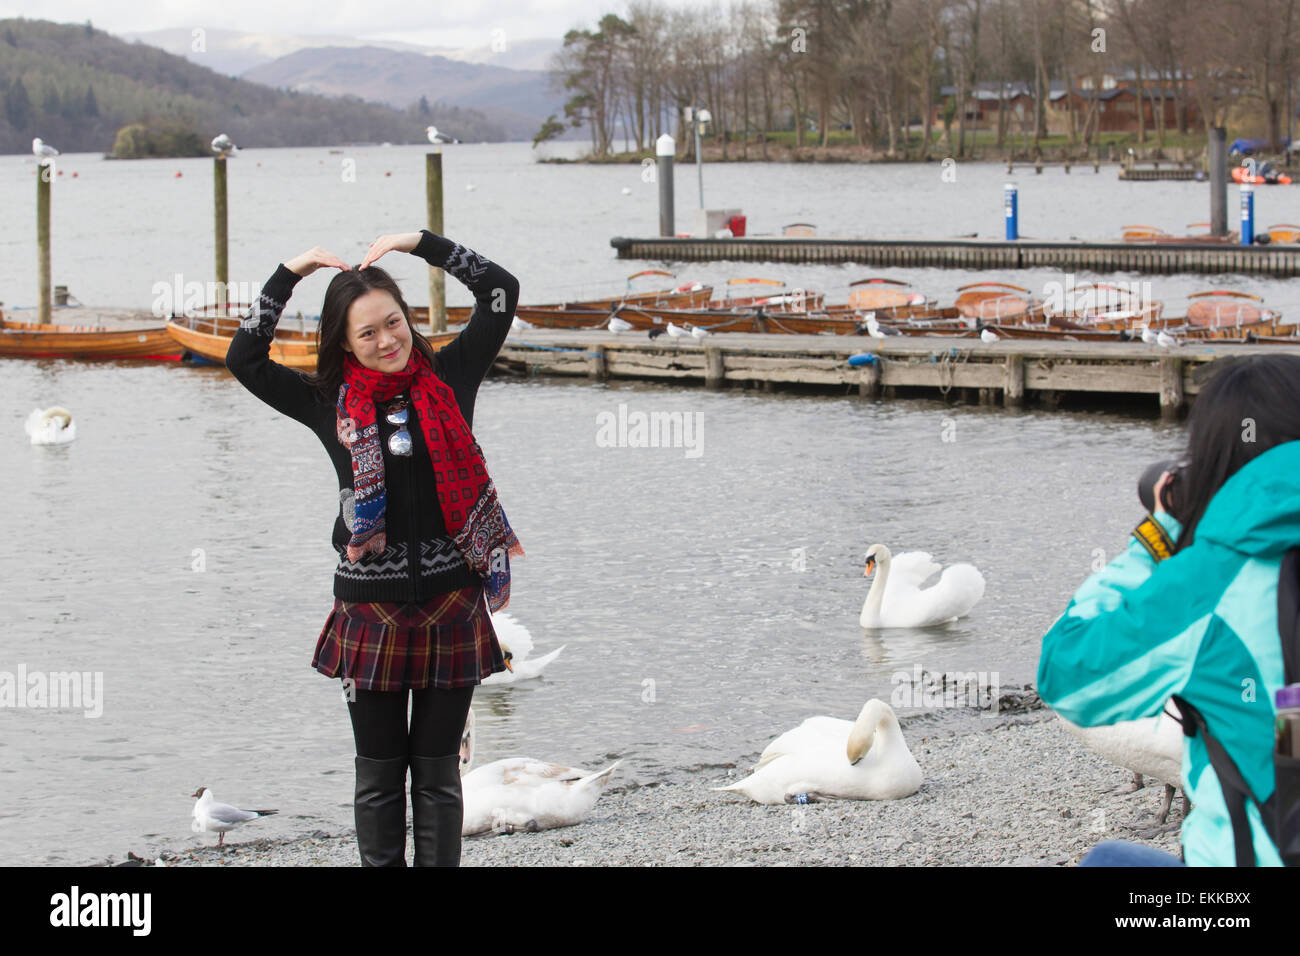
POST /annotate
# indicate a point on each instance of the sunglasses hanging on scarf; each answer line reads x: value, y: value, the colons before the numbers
x: 398, y: 413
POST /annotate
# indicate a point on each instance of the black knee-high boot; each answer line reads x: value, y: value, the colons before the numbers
x: 436, y: 809
x: 380, y: 809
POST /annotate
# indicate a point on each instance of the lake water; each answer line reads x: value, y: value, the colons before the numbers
x: 180, y: 546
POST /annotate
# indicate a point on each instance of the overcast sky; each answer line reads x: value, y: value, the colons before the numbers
x: 464, y: 23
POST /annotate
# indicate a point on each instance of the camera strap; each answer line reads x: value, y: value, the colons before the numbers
x: 1152, y: 536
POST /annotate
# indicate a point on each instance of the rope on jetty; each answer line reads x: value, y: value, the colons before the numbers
x: 947, y: 363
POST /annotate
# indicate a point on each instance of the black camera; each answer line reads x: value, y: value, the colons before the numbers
x: 1170, y: 494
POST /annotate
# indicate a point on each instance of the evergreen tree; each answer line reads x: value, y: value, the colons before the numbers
x: 18, y: 107
x: 92, y: 108
x: 424, y: 107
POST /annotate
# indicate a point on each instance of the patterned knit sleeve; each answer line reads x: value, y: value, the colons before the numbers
x: 496, y: 294
x: 249, y: 354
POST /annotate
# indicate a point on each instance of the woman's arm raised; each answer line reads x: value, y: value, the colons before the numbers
x: 249, y: 354
x: 1129, y: 637
x: 496, y: 294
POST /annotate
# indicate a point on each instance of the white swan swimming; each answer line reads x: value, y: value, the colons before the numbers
x: 517, y: 645
x: 1149, y: 745
x: 50, y: 426
x: 826, y: 758
x: 519, y: 793
x: 896, y: 598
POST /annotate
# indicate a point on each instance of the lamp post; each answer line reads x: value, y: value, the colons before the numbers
x: 700, y: 120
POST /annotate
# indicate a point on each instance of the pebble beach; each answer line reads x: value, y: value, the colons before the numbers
x: 1009, y: 790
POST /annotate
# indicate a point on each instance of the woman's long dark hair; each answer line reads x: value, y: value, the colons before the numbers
x: 344, y: 289
x: 1251, y: 405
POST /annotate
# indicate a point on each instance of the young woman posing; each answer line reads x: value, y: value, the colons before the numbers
x: 421, y: 537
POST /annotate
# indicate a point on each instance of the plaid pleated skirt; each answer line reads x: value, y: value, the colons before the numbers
x: 447, y: 641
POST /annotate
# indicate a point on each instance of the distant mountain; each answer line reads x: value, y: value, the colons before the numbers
x: 75, y: 87
x: 233, y: 52
x: 517, y: 100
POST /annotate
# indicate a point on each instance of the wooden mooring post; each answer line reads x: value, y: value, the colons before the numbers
x: 1172, y: 400
x: 437, y: 279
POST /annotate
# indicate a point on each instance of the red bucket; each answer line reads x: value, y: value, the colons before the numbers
x: 737, y: 225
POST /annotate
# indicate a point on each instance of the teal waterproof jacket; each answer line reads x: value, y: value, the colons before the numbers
x: 1201, y: 624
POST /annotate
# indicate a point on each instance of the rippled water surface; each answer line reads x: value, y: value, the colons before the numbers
x: 180, y: 546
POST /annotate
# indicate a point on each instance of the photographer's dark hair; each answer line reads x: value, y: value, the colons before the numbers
x: 1262, y: 388
x: 344, y: 289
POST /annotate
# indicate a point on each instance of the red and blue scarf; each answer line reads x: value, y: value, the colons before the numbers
x: 466, y: 493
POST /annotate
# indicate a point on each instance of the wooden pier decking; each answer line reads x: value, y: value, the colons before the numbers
x: 977, y: 254
x: 1010, y: 371
x: 1146, y: 174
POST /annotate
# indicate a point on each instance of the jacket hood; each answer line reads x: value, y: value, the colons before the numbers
x: 1257, y: 511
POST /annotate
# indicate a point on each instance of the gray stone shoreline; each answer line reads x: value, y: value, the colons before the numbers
x: 1013, y: 790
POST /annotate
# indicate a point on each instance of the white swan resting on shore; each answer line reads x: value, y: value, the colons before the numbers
x: 896, y: 598
x: 826, y: 758
x: 520, y: 793
x: 50, y: 426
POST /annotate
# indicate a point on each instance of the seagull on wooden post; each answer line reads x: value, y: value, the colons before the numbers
x: 223, y: 147
x: 43, y: 151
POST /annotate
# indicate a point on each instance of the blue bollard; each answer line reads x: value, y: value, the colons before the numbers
x: 1247, y: 214
x: 1009, y: 206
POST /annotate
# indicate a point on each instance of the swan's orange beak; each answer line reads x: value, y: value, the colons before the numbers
x: 508, y: 656
x: 871, y: 566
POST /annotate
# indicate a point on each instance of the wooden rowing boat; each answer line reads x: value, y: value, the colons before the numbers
x: 1105, y: 307
x: 999, y: 302
x: 690, y: 295
x: 1223, y: 313
x: 208, y: 334
x: 44, y: 340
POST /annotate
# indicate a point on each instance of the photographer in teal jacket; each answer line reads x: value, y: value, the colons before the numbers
x: 1193, y: 611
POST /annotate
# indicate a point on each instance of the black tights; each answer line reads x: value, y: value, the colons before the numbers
x: 437, y: 722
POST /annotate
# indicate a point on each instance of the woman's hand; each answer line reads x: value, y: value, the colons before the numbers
x: 1158, y: 492
x: 313, y: 259
x: 402, y: 242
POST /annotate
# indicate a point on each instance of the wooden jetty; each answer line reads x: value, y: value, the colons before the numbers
x: 977, y: 254
x: 1152, y: 174
x: 1012, y: 371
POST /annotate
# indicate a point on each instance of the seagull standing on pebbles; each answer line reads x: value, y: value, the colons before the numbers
x: 211, y: 816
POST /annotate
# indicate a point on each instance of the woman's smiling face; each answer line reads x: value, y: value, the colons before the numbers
x: 378, y: 333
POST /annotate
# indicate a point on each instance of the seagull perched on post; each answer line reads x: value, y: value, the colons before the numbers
x: 42, y: 150
x: 223, y: 147
x: 210, y: 815
x: 438, y: 138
